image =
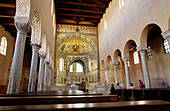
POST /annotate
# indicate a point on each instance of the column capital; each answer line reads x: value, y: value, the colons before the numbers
x: 49, y: 65
x: 125, y: 58
x: 35, y: 45
x: 42, y: 54
x: 22, y: 24
x: 141, y: 48
x: 115, y: 63
x: 107, y: 67
x: 166, y: 34
x: 102, y: 69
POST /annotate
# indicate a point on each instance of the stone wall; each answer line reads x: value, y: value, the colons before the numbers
x: 5, y: 61
x: 128, y: 23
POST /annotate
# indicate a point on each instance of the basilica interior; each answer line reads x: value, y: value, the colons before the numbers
x: 52, y: 46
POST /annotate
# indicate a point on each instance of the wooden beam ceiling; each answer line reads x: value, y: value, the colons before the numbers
x: 78, y: 11
x: 82, y: 4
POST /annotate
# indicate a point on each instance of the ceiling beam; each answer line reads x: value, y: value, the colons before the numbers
x: 7, y: 16
x: 84, y: 16
x: 8, y: 24
x: 82, y: 4
x: 77, y: 24
x: 79, y: 20
x: 81, y: 10
x: 7, y: 5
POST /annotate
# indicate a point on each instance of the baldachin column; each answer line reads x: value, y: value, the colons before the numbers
x: 22, y: 25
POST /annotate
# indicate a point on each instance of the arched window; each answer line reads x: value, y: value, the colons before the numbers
x: 71, y: 68
x: 149, y: 52
x: 121, y: 3
x: 166, y: 46
x: 61, y: 64
x: 3, y: 46
x: 136, y: 57
x: 79, y: 68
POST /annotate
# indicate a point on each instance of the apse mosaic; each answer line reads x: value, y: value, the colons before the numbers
x: 75, y: 44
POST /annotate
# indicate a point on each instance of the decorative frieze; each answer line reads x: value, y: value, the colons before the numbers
x: 76, y: 29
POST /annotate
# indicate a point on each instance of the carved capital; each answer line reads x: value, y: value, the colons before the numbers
x: 35, y: 45
x: 42, y: 54
x: 102, y: 69
x: 107, y: 67
x: 115, y: 63
x: 22, y: 24
x: 50, y: 66
x: 142, y: 49
x: 125, y: 58
x: 166, y: 34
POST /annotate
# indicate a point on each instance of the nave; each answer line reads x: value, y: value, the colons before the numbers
x: 65, y: 55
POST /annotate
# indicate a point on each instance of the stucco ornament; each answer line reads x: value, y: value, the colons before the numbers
x: 42, y: 50
x: 36, y: 29
x: 22, y: 8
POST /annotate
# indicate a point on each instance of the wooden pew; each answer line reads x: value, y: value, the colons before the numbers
x: 5, y: 101
x: 51, y: 93
x: 154, y: 105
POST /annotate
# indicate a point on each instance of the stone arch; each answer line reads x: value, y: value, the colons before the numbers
x: 102, y: 72
x: 85, y: 68
x: 108, y: 59
x: 145, y: 32
x: 127, y: 46
x: 36, y: 28
x: 116, y: 54
x: 83, y: 62
x: 102, y: 64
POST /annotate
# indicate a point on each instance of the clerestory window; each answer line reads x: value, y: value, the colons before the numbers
x: 3, y: 46
x: 136, y: 57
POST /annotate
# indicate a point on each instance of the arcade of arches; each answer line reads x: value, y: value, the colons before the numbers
x: 131, y: 42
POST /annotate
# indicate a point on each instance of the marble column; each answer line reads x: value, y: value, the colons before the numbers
x: 22, y: 25
x: 126, y: 60
x: 41, y: 71
x: 116, y: 71
x: 45, y: 82
x: 166, y: 35
x: 142, y: 51
x: 49, y: 77
x: 33, y: 70
x: 87, y: 79
x: 108, y: 74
